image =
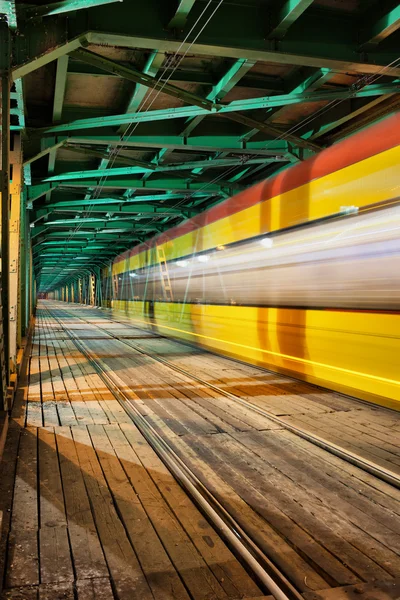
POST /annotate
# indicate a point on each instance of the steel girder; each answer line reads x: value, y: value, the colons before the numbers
x: 231, y: 108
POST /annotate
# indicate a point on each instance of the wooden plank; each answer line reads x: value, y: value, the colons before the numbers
x: 21, y: 593
x: 50, y: 415
x: 237, y: 495
x: 88, y: 557
x: 121, y: 559
x: 366, y: 556
x: 94, y: 589
x: 378, y: 530
x: 56, y: 591
x: 55, y: 554
x: 34, y: 416
x: 227, y: 571
x: 346, y: 441
x: 66, y: 414
x: 97, y: 413
x: 380, y: 590
x: 81, y: 412
x: 158, y: 569
x: 8, y: 467
x: 23, y: 554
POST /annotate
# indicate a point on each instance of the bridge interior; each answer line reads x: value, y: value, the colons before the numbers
x: 135, y: 465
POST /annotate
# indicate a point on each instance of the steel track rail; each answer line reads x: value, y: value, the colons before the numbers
x: 264, y: 570
x: 373, y: 469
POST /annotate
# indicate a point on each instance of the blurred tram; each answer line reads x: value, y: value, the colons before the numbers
x: 299, y: 274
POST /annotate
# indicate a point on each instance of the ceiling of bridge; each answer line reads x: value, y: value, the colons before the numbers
x: 140, y: 114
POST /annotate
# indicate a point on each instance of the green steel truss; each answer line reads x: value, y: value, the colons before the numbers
x: 175, y: 122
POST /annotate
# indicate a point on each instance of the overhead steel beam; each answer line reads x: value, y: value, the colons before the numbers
x: 59, y: 90
x: 178, y: 21
x: 228, y: 109
x: 224, y: 187
x: 380, y: 28
x: 141, y: 78
x: 251, y: 80
x: 391, y: 105
x: 130, y: 209
x: 151, y: 68
x: 210, y: 143
x: 198, y: 164
x: 298, y: 54
x: 283, y: 55
x: 44, y: 152
x: 223, y: 87
x: 351, y: 115
x: 135, y: 199
x: 288, y: 13
x: 297, y: 85
x: 65, y: 6
x: 121, y: 158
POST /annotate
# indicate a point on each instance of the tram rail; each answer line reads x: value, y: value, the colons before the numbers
x: 350, y: 457
x: 265, y: 572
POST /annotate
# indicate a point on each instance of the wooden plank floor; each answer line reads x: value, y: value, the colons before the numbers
x: 90, y: 510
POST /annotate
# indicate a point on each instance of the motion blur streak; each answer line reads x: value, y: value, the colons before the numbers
x: 299, y: 274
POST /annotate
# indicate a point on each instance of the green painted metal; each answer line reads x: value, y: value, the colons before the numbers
x: 302, y: 53
x: 59, y: 92
x: 151, y: 68
x: 223, y: 87
x: 37, y: 191
x: 8, y: 9
x: 153, y: 184
x: 251, y: 80
x: 379, y: 29
x: 141, y: 78
x: 135, y: 199
x: 232, y: 107
x: 118, y: 171
x: 139, y: 208
x: 178, y: 21
x: 42, y: 153
x: 348, y: 117
x: 195, y: 143
x: 286, y: 16
x: 65, y: 6
x: 305, y: 52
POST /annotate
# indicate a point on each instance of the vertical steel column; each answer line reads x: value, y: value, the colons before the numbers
x: 14, y: 245
x: 92, y: 283
x: 5, y: 187
x: 25, y: 312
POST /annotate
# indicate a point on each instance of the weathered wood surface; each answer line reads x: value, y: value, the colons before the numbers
x: 89, y: 511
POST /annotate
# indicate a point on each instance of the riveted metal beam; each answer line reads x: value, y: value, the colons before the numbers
x: 286, y: 15
x: 120, y: 158
x: 209, y: 143
x: 380, y: 28
x: 223, y: 87
x: 228, y: 109
x: 151, y: 68
x: 183, y: 9
x: 65, y: 6
x: 134, y: 208
x: 151, y: 184
x: 119, y: 171
x: 351, y: 115
x: 44, y: 152
x: 141, y: 78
